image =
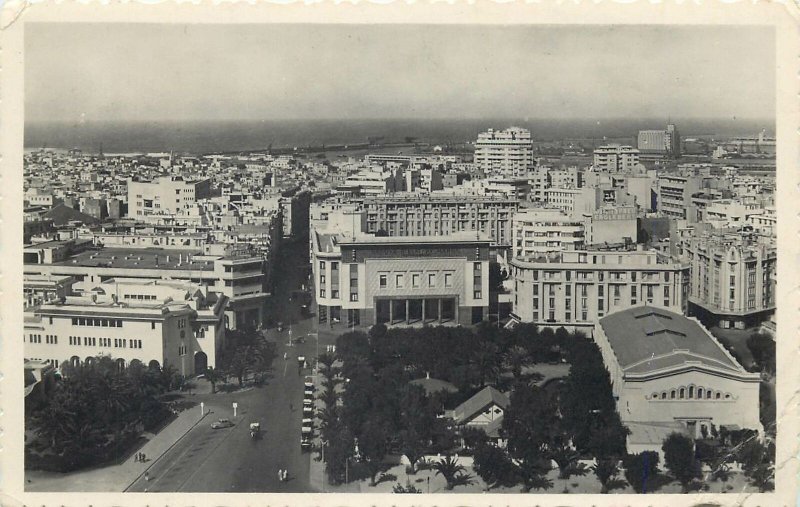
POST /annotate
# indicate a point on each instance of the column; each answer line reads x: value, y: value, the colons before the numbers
x: 408, y: 308
x: 423, y: 311
x: 391, y: 312
x: 439, y: 302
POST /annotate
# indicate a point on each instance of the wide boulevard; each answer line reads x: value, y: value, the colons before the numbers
x: 222, y: 460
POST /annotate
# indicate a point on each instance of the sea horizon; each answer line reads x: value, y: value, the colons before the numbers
x: 208, y: 136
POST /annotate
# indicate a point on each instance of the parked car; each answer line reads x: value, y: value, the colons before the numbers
x: 222, y: 423
x: 305, y: 444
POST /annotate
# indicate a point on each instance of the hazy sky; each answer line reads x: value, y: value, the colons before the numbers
x: 184, y: 72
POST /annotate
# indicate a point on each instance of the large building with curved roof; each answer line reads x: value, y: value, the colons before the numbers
x: 670, y: 374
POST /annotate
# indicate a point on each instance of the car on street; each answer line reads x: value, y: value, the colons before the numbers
x: 221, y: 423
x: 308, y: 410
x: 305, y: 444
x: 309, y: 382
x: 308, y: 394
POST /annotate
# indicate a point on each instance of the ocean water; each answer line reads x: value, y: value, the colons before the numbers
x: 198, y: 137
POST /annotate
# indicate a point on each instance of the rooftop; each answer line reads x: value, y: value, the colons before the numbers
x: 139, y: 258
x: 483, y: 398
x: 646, y: 339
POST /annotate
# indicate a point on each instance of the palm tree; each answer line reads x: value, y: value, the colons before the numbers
x: 453, y: 472
x: 516, y: 358
x: 213, y: 376
x: 606, y: 471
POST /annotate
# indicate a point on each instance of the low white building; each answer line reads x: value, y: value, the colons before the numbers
x: 156, y: 322
x: 668, y: 374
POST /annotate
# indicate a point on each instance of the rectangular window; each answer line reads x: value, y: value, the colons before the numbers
x: 666, y: 276
x: 666, y: 291
x: 448, y: 279
x: 399, y: 280
x: 322, y: 293
x: 431, y: 279
x: 335, y: 294
x: 477, y: 294
x: 74, y: 321
x: 568, y: 289
x: 322, y: 265
x: 322, y: 279
x: 334, y: 266
x: 477, y: 267
x: 633, y: 276
x: 382, y: 281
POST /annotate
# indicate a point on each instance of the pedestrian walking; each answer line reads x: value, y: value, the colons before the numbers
x: 280, y: 474
x: 285, y: 355
x: 285, y: 475
x: 147, y: 476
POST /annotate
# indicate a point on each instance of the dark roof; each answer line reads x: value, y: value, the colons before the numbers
x: 141, y: 258
x: 478, y: 403
x: 646, y: 339
x: 62, y: 214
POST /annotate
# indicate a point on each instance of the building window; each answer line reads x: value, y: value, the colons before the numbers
x: 415, y: 280
x: 322, y: 279
x: 477, y: 294
x: 334, y: 266
x: 335, y: 294
x: 448, y: 279
x: 382, y: 281
x: 477, y: 267
x: 322, y: 265
x: 322, y: 293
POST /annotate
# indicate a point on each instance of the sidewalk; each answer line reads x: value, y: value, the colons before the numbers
x: 116, y: 477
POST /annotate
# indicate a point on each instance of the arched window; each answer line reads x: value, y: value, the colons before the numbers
x: 672, y: 394
x: 708, y: 394
x: 664, y: 395
x: 691, y: 392
x: 682, y: 393
x: 728, y: 396
x: 718, y: 395
x: 654, y: 396
x: 700, y: 393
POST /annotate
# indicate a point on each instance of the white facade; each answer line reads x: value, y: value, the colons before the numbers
x: 572, y: 288
x: 172, y: 323
x: 505, y: 152
x: 616, y: 158
x: 544, y: 230
x: 667, y: 370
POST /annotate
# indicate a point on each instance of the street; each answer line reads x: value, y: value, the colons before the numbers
x: 228, y: 459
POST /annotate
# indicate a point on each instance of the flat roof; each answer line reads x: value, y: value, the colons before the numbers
x: 138, y: 258
x: 647, y: 338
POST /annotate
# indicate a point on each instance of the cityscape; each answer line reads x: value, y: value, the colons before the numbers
x: 481, y: 306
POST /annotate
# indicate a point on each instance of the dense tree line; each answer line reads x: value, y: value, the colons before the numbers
x: 96, y: 411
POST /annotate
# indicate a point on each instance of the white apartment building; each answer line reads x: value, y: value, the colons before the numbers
x: 545, y: 230
x: 732, y: 276
x: 614, y: 158
x: 572, y: 288
x: 168, y: 195
x: 504, y: 152
x: 157, y: 323
x: 238, y: 272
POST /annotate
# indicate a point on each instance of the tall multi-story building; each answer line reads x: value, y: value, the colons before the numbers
x: 616, y: 158
x: 504, y: 152
x: 545, y: 230
x: 365, y: 280
x: 160, y: 323
x: 675, y: 195
x: 168, y: 195
x: 573, y: 288
x: 666, y: 143
x: 237, y: 271
x: 732, y: 276
x: 441, y: 214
